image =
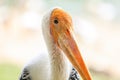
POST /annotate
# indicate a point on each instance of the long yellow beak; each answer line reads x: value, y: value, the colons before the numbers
x: 67, y: 43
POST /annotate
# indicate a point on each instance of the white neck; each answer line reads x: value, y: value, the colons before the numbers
x: 60, y: 66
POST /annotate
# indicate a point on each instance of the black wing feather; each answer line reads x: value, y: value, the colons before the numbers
x: 74, y: 75
x: 25, y: 75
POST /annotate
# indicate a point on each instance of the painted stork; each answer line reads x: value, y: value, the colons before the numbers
x: 62, y: 48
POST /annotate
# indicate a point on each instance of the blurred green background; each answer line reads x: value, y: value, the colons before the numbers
x: 12, y: 72
x: 96, y: 24
x: 9, y: 71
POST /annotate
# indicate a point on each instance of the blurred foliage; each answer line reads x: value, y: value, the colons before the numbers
x: 12, y: 72
x: 9, y: 72
x: 9, y: 2
x: 100, y: 76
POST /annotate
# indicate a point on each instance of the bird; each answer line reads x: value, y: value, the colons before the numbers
x: 63, y: 60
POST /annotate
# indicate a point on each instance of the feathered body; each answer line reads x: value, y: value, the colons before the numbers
x: 52, y: 65
x: 62, y: 51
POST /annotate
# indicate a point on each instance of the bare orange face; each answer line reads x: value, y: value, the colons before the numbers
x: 62, y: 33
x: 60, y: 22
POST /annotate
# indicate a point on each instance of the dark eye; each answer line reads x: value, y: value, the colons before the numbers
x: 56, y: 21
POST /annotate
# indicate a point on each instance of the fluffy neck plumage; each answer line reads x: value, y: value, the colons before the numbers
x: 60, y: 66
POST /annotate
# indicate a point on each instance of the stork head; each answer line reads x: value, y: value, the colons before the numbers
x: 57, y: 26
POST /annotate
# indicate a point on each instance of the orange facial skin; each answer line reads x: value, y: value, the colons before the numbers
x: 64, y: 23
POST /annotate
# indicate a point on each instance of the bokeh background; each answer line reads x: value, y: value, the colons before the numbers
x: 96, y: 24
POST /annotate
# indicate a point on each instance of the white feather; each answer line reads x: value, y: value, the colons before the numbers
x: 52, y: 65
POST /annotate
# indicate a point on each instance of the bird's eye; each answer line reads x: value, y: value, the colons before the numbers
x: 56, y: 21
